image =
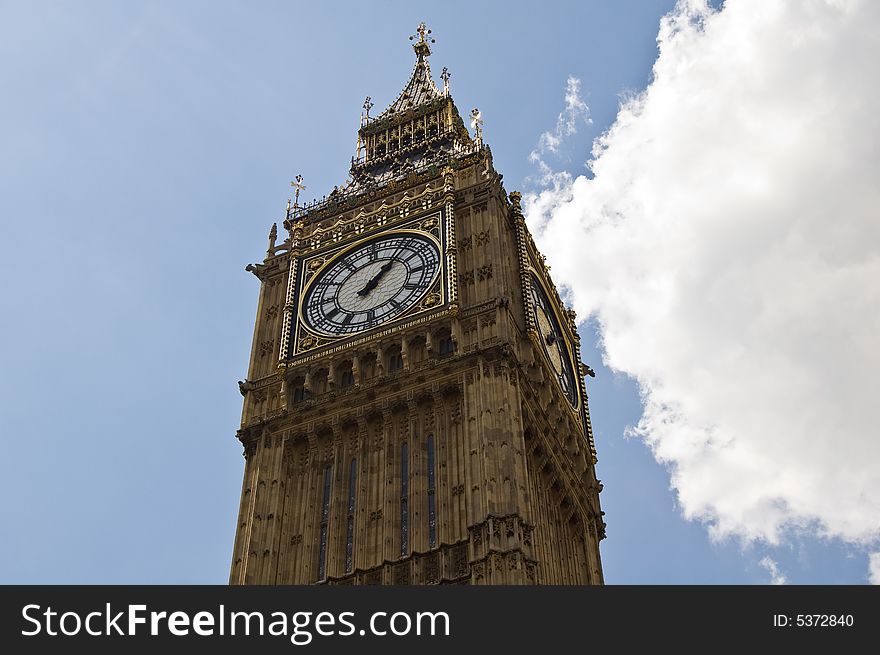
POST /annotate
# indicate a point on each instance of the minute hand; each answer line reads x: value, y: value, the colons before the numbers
x: 374, y: 281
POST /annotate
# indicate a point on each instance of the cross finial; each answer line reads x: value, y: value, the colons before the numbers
x: 299, y: 186
x: 421, y: 30
x: 477, y: 125
x: 445, y: 75
x: 422, y: 47
x: 368, y: 105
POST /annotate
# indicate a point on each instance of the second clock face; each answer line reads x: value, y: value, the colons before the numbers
x: 552, y: 341
x: 371, y: 284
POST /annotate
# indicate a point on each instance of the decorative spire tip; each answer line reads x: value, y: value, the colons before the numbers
x: 422, y: 46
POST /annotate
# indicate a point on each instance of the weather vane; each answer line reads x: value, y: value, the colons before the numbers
x: 299, y: 186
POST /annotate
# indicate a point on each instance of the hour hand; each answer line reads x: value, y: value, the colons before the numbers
x: 369, y: 286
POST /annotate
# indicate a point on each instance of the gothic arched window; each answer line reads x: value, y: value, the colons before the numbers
x: 346, y: 375
x: 446, y: 345
x: 349, y: 530
x: 325, y: 523
x: 404, y: 499
x: 432, y: 496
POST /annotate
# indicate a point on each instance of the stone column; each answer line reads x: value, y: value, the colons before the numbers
x: 356, y: 367
x: 404, y: 351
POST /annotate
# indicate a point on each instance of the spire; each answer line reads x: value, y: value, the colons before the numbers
x: 422, y: 47
x: 420, y: 89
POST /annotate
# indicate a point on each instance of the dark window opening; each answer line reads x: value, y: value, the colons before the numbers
x: 349, y: 531
x: 325, y: 522
x: 432, y: 496
x: 347, y: 378
x: 446, y: 346
x: 404, y: 499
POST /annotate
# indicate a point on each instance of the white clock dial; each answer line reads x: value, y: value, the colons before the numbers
x: 371, y: 284
x: 553, y: 342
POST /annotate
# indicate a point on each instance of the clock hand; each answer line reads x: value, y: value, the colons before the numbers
x: 374, y: 281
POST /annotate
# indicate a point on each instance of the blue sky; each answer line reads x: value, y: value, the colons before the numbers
x: 147, y: 148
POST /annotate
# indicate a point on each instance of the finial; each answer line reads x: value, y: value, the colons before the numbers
x: 368, y: 105
x: 299, y: 186
x: 273, y: 235
x: 477, y: 125
x: 422, y: 47
x: 445, y: 75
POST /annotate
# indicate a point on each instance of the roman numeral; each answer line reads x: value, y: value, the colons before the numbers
x: 411, y: 286
x: 416, y: 269
x: 371, y: 315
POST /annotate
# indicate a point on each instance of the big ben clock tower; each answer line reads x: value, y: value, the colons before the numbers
x: 414, y: 410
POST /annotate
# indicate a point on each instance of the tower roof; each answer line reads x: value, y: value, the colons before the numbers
x: 420, y: 89
x: 419, y: 131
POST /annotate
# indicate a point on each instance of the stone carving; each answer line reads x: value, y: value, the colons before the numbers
x: 401, y: 574
x: 431, y: 569
x: 460, y: 560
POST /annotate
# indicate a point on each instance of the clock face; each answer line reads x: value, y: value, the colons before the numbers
x: 371, y: 284
x: 553, y: 342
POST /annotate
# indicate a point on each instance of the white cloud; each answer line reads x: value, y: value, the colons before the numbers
x: 776, y: 576
x: 729, y: 247
x: 874, y: 568
x: 566, y: 125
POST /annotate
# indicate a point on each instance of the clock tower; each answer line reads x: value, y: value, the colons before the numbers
x: 415, y: 410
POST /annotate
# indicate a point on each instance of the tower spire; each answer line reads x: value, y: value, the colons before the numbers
x: 422, y: 46
x: 420, y: 89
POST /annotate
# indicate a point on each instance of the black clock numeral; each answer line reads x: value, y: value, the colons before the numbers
x: 416, y: 269
x: 371, y: 315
